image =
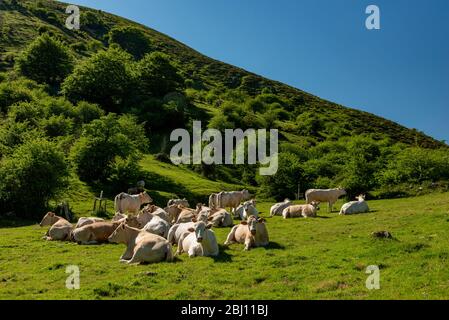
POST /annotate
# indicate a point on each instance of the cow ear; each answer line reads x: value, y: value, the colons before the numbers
x: 191, y: 230
x: 244, y: 223
x: 210, y: 225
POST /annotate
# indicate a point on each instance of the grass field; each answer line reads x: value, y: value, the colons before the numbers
x: 322, y: 258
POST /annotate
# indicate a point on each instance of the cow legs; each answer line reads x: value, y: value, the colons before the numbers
x: 231, y: 237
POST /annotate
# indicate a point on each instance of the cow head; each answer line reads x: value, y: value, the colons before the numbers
x: 316, y: 205
x: 361, y: 197
x: 145, y: 197
x: 200, y: 228
x: 342, y: 191
x: 49, y: 219
x: 252, y: 224
x: 119, y: 235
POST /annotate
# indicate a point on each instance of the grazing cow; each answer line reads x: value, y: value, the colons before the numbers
x: 100, y: 231
x: 252, y: 232
x: 60, y: 228
x: 355, y: 207
x: 130, y: 203
x: 86, y: 221
x: 142, y: 246
x: 304, y: 210
x: 220, y: 218
x: 158, y: 226
x: 245, y: 210
x: 276, y: 209
x: 326, y: 195
x: 198, y: 241
x: 232, y: 199
x: 182, y: 202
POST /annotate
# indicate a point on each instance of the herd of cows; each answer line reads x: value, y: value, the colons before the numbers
x: 150, y: 232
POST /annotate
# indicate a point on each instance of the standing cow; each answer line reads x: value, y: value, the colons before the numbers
x: 232, y: 199
x: 324, y: 195
x: 130, y: 203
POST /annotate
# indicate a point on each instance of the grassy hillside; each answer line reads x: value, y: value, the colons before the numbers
x: 318, y: 258
x: 25, y: 20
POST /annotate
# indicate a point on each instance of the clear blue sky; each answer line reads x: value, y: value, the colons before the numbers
x: 400, y: 72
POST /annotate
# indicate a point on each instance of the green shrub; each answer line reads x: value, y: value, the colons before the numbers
x: 30, y: 177
x: 132, y: 40
x: 45, y: 60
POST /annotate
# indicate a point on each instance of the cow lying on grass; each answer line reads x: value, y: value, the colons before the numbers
x: 141, y: 246
x: 178, y: 229
x: 276, y: 209
x: 99, y: 232
x: 60, y: 228
x: 86, y: 221
x: 157, y: 226
x: 246, y: 209
x: 304, y: 210
x: 220, y: 218
x: 198, y: 241
x: 253, y: 233
x: 355, y: 207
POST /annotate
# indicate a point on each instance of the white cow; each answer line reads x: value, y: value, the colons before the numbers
x: 354, y: 207
x: 124, y: 202
x: 276, y: 209
x: 324, y: 195
x: 252, y: 232
x: 220, y: 218
x: 178, y: 229
x: 232, y: 199
x: 158, y: 226
x: 198, y: 241
x: 245, y: 210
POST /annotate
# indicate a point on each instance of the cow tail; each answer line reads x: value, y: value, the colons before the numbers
x: 169, y: 256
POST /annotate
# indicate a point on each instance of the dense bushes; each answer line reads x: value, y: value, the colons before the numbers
x: 132, y: 40
x: 45, y: 60
x: 105, y: 144
x: 32, y: 175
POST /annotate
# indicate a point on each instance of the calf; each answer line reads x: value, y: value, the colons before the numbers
x: 253, y: 233
x: 60, y: 228
x: 198, y: 241
x: 304, y: 210
x: 141, y: 245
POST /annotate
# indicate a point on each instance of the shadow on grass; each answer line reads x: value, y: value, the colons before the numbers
x: 16, y: 223
x: 274, y: 246
x: 223, y: 257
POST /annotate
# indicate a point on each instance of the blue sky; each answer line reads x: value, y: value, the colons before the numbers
x: 400, y: 72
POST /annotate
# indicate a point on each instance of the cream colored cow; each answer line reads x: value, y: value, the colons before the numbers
x: 324, y: 195
x: 60, y: 228
x: 142, y: 246
x: 124, y: 202
x: 304, y: 210
x: 86, y: 221
x: 253, y: 233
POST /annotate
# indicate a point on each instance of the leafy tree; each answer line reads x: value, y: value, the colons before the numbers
x: 45, y: 60
x: 157, y: 75
x: 285, y: 182
x: 103, y: 142
x: 30, y: 177
x: 105, y: 78
x: 132, y: 40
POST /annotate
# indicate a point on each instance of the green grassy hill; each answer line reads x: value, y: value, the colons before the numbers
x: 24, y: 20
